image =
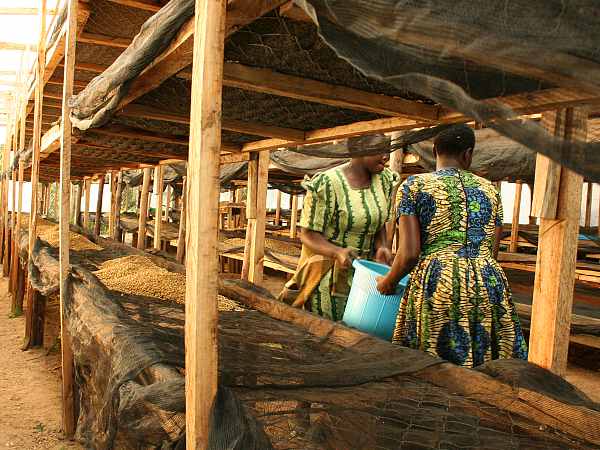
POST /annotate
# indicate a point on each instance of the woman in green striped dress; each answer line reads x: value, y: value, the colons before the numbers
x: 343, y: 217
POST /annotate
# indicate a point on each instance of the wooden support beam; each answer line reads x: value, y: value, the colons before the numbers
x: 588, y: 205
x: 182, y: 220
x: 77, y: 209
x: 178, y: 55
x: 98, y: 218
x: 143, y: 212
x: 117, y: 212
x: 278, y: 209
x: 158, y: 184
x: 294, y: 216
x: 19, y: 11
x: 4, y: 211
x: 86, y: 209
x: 557, y: 253
x: 146, y: 5
x: 68, y: 402
x: 514, y: 233
x: 104, y: 40
x: 17, y: 301
x: 257, y: 129
x: 202, y: 266
x: 30, y: 338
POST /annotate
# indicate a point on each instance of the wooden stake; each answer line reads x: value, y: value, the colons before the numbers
x: 181, y: 235
x: 557, y: 253
x: 294, y: 218
x: 278, y: 209
x: 117, y: 212
x: 68, y: 410
x: 158, y: 183
x: 514, y: 233
x: 35, y: 168
x: 143, y: 214
x: 86, y: 207
x: 98, y: 221
x: 201, y: 355
x: 588, y: 205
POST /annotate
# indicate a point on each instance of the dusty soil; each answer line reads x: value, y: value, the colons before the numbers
x: 30, y: 397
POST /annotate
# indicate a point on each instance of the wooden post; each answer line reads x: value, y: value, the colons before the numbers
x: 86, y: 207
x: 117, y: 212
x: 201, y: 354
x: 278, y: 209
x: 169, y: 195
x: 68, y: 410
x: 6, y: 228
x: 47, y: 200
x: 294, y: 216
x: 588, y: 205
x: 559, y: 212
x: 17, y: 300
x: 111, y: 214
x: 396, y: 164
x: 181, y: 234
x: 158, y: 183
x: 35, y: 168
x: 143, y: 214
x: 77, y: 212
x: 98, y: 221
x: 514, y: 232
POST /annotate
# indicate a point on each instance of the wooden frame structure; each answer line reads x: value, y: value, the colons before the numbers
x: 556, y: 189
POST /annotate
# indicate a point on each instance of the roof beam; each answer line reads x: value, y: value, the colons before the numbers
x: 23, y: 11
x: 239, y: 126
x: 179, y: 54
x: 139, y: 4
x: 101, y: 39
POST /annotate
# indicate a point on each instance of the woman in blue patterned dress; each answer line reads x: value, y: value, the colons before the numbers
x: 458, y: 304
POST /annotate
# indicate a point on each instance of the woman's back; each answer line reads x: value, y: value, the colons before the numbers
x: 458, y: 212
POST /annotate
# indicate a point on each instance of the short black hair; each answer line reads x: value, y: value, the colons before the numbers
x: 372, y: 142
x: 455, y: 140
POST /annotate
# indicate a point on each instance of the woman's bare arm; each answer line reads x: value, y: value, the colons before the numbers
x: 321, y: 246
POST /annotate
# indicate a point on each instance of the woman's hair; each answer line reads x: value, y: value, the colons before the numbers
x: 455, y: 140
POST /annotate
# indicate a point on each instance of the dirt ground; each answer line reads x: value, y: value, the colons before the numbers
x: 30, y: 416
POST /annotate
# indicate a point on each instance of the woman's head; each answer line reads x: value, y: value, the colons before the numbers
x: 378, y: 142
x: 455, y: 144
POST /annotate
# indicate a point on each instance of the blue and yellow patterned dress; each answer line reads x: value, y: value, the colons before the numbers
x: 458, y: 305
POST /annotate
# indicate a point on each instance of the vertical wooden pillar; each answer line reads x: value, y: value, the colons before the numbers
x: 68, y: 410
x: 514, y: 232
x: 588, y: 205
x: 86, y: 207
x: 17, y: 301
x: 5, y: 218
x: 278, y: 209
x: 117, y: 207
x: 143, y: 214
x: 181, y: 234
x: 98, y: 221
x: 201, y: 355
x: 557, y: 196
x: 77, y: 213
x: 169, y: 195
x: 113, y: 193
x: 30, y: 338
x: 294, y: 217
x: 158, y: 184
x: 47, y: 200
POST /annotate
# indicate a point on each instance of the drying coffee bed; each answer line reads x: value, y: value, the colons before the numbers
x: 294, y: 382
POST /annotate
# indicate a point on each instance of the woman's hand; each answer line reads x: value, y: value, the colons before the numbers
x: 384, y: 255
x: 386, y: 285
x: 344, y: 257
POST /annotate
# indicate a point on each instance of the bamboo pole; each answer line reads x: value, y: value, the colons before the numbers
x: 86, y: 207
x: 98, y: 218
x: 158, y: 183
x: 202, y: 266
x: 143, y: 214
x: 35, y: 168
x: 181, y: 234
x: 68, y: 405
x: 514, y: 233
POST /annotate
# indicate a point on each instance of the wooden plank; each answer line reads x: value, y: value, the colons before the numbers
x: 234, y: 158
x: 514, y: 233
x: 270, y: 82
x: 158, y: 183
x: 68, y: 403
x: 294, y: 217
x: 178, y: 55
x: 547, y: 172
x: 202, y: 266
x: 588, y: 205
x: 182, y: 222
x: 35, y: 170
x: 98, y: 217
x: 555, y: 268
x: 143, y: 212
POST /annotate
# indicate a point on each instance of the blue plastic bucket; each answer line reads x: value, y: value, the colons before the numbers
x: 368, y: 310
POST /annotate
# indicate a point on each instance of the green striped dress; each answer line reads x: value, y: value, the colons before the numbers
x: 347, y: 217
